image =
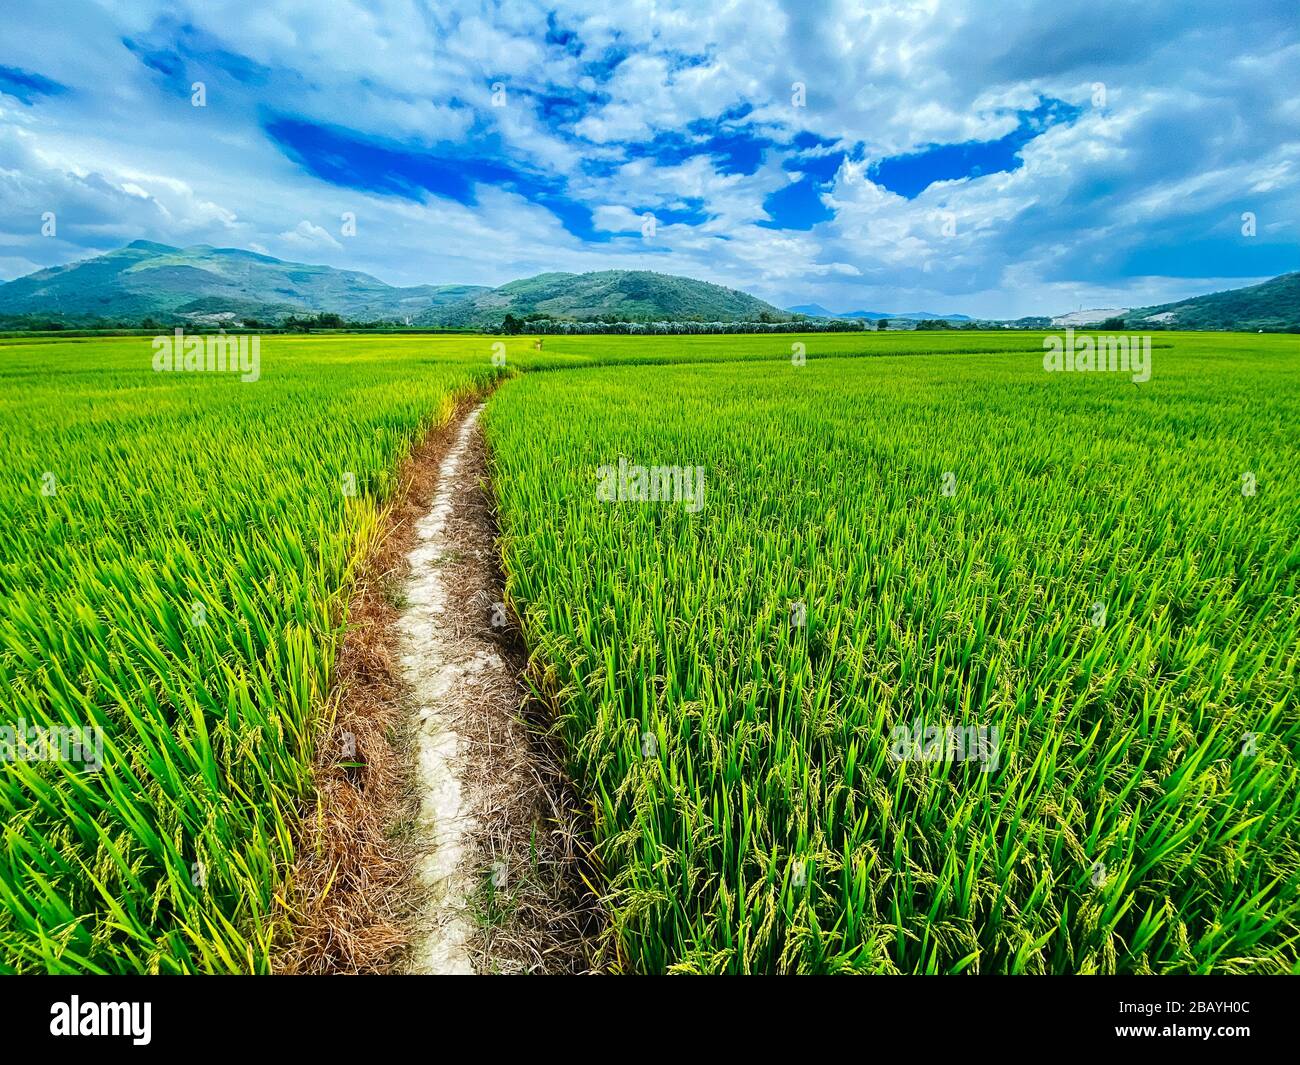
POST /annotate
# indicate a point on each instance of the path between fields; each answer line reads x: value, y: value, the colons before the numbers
x: 495, y: 864
x: 437, y: 666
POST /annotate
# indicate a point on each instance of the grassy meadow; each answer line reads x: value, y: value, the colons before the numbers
x: 909, y: 527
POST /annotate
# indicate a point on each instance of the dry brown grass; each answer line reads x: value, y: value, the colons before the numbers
x: 351, y: 883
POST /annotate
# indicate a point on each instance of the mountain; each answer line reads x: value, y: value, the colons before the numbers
x: 202, y: 283
x: 206, y: 285
x: 1272, y: 305
x: 627, y: 295
x: 816, y: 310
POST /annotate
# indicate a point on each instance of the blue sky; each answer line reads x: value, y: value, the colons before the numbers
x: 991, y: 158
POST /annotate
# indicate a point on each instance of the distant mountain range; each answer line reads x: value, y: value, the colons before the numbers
x: 202, y: 285
x: 816, y: 310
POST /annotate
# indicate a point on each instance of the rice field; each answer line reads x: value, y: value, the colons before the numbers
x: 1069, y: 564
x: 906, y: 532
x: 174, y: 571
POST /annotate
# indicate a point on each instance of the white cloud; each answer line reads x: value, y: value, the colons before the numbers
x: 309, y: 236
x: 1201, y: 123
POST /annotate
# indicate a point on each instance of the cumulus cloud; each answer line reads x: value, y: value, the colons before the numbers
x: 1056, y: 151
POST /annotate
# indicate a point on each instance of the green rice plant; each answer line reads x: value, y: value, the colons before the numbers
x: 174, y: 571
x: 906, y: 531
x: 912, y: 541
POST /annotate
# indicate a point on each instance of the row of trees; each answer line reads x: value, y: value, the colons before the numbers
x: 557, y: 327
x: 943, y: 323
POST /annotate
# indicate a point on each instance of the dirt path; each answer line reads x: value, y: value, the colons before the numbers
x: 495, y: 863
x: 441, y: 666
x: 443, y: 835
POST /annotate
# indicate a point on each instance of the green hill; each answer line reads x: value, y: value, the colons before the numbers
x: 625, y: 295
x: 206, y: 285
x: 148, y: 280
x: 1272, y: 306
x: 202, y: 284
